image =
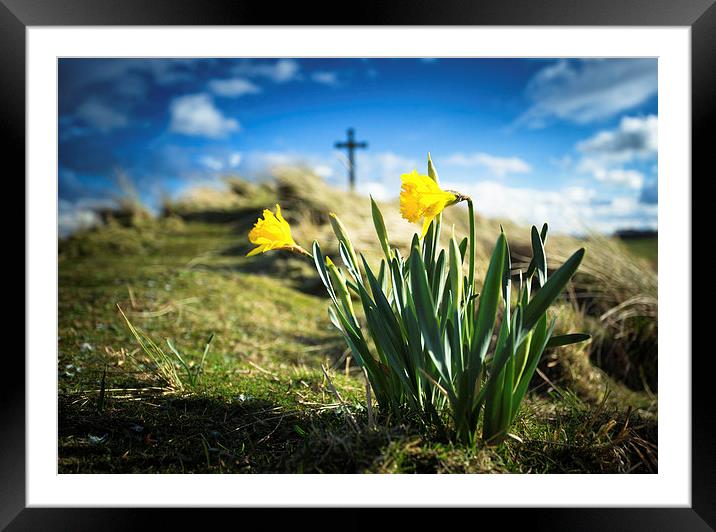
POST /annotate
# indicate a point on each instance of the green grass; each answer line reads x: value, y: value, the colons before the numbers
x: 262, y: 402
x: 646, y: 248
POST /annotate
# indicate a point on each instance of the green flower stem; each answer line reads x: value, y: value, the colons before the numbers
x: 471, y: 212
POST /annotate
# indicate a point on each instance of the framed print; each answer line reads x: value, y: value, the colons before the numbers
x: 386, y: 255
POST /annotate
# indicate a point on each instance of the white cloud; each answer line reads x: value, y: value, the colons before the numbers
x: 635, y: 138
x: 196, y: 115
x: 574, y: 210
x: 234, y: 87
x: 622, y: 206
x: 619, y: 176
x: 281, y: 71
x: 273, y: 159
x: 382, y: 168
x: 235, y: 159
x: 258, y: 163
x: 212, y: 163
x: 323, y: 170
x: 588, y: 91
x: 378, y: 173
x: 119, y: 72
x: 606, y: 153
x: 73, y: 216
x: 99, y: 115
x: 498, y: 166
x: 378, y: 190
x: 325, y: 78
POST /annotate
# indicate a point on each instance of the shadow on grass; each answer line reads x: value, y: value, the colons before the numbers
x: 237, y: 217
x: 297, y: 272
x: 206, y: 435
x: 191, y: 434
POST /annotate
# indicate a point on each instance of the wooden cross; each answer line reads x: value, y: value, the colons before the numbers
x: 351, y: 145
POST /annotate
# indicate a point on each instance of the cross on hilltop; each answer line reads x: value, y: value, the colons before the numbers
x: 351, y: 146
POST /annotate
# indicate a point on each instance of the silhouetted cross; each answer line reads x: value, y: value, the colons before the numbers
x: 351, y: 145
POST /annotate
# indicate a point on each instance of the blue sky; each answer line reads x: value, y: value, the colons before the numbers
x: 570, y: 142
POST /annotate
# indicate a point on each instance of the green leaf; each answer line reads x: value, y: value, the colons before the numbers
x: 362, y: 355
x: 176, y: 353
x: 471, y: 264
x: 487, y: 309
x: 436, y: 280
x: 414, y: 338
x: 455, y: 274
x: 506, y: 403
x: 567, y: 339
x: 432, y: 172
x: 501, y: 353
x: 533, y: 265
x: 551, y: 289
x: 338, y: 282
x: 320, y: 263
x: 507, y: 280
x: 387, y: 345
x: 342, y: 236
x: 507, y: 274
x: 429, y: 250
x: 398, y: 283
x: 537, y: 347
x: 349, y: 263
x: 538, y: 256
x: 381, y: 302
x: 463, y: 249
x: 427, y: 319
x: 380, y: 229
x: 381, y: 273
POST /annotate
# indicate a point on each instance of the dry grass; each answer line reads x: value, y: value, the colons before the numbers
x: 263, y: 403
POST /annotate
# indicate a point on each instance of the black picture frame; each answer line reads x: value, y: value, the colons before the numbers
x: 699, y: 15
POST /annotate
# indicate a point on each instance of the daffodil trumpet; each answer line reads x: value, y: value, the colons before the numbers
x: 422, y: 198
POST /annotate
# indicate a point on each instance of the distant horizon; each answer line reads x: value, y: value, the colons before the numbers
x: 570, y: 142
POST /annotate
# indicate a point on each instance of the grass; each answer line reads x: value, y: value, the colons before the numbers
x: 646, y: 248
x: 261, y: 402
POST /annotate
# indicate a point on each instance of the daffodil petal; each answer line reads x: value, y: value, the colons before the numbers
x: 255, y: 251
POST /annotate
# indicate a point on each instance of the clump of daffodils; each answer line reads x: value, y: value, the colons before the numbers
x: 432, y: 351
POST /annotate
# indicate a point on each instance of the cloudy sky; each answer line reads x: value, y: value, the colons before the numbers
x: 570, y: 142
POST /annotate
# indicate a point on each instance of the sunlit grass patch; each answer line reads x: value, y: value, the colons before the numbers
x: 262, y: 403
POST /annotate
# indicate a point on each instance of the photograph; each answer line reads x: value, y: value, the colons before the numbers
x: 357, y: 265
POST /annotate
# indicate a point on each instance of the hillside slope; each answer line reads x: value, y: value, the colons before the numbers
x: 262, y: 402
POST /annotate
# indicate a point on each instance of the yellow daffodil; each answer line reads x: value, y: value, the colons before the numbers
x: 273, y: 232
x: 422, y: 197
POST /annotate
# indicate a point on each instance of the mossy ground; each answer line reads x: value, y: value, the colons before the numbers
x: 262, y: 403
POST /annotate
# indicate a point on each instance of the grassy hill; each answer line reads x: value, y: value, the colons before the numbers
x: 277, y: 391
